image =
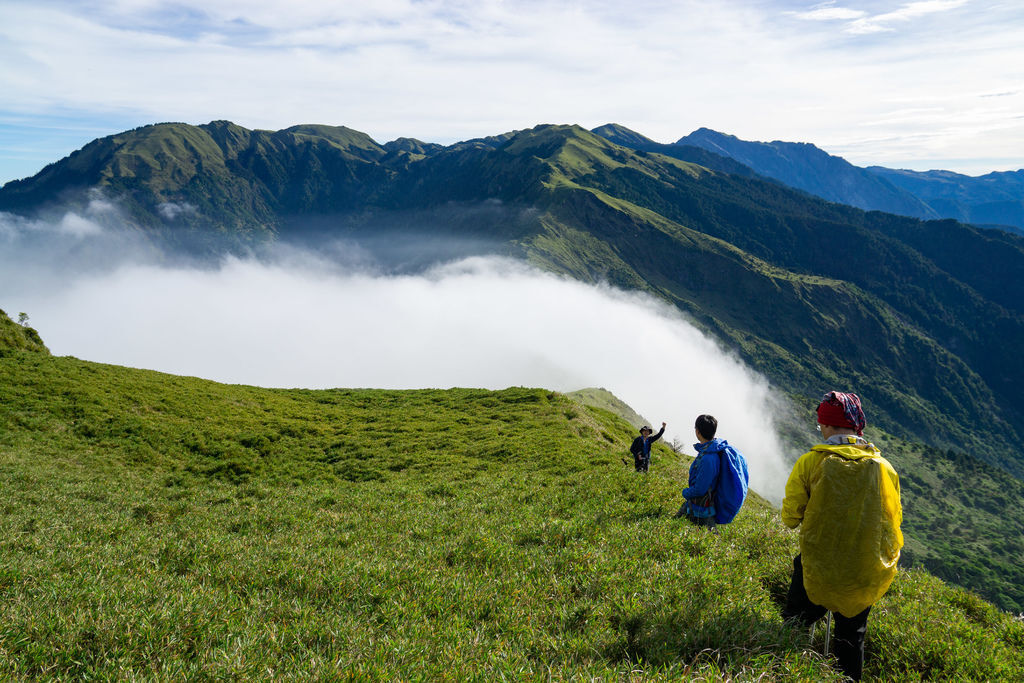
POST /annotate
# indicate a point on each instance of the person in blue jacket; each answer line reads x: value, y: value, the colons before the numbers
x: 699, y: 505
x: 641, y: 448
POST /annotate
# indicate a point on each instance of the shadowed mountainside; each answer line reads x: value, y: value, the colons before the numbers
x: 994, y: 199
x: 806, y: 167
x: 991, y: 199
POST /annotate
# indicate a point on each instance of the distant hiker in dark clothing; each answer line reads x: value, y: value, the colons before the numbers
x: 641, y: 448
x: 718, y: 478
x: 846, y: 499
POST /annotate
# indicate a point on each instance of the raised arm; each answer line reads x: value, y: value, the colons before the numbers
x: 658, y: 435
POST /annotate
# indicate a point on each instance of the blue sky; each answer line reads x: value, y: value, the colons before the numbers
x: 916, y: 84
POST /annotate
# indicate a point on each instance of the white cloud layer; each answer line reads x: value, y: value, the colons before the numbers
x: 887, y: 21
x: 858, y: 21
x: 301, y: 321
x: 446, y: 70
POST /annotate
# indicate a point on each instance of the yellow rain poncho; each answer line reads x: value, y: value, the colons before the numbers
x: 848, y: 499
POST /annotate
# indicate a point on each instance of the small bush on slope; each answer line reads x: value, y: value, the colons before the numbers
x: 15, y: 337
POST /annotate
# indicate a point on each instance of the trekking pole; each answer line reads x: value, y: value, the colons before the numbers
x: 828, y: 632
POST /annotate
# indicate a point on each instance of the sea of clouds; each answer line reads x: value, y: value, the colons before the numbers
x: 320, y: 318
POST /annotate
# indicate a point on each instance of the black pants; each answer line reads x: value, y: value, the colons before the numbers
x: 641, y: 462
x: 850, y: 631
x: 708, y: 522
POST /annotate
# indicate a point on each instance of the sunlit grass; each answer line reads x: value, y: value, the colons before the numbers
x: 164, y: 527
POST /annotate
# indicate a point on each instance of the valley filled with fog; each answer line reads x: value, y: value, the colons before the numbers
x: 331, y: 316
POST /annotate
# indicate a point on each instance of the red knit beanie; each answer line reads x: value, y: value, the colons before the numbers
x: 842, y: 410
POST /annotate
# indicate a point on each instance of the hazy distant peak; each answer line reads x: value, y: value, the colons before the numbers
x: 412, y: 146
x: 809, y: 168
x: 704, y: 132
x: 704, y: 136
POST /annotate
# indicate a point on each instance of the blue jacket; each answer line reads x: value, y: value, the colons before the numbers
x: 642, y: 447
x: 703, y: 477
x: 704, y: 469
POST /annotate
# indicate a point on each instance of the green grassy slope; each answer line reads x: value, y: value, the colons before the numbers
x: 191, y: 529
x: 606, y: 400
x: 15, y: 337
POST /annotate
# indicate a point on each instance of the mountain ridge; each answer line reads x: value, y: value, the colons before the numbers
x: 806, y: 167
x: 570, y: 200
x: 993, y: 200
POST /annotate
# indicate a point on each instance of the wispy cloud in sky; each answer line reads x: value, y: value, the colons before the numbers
x: 887, y: 21
x: 857, y: 21
x: 447, y: 70
x: 830, y: 12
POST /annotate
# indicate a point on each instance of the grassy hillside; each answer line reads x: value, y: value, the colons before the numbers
x: 190, y: 529
x: 15, y: 337
x: 606, y: 400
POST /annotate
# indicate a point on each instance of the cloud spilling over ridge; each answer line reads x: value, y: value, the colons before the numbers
x: 299, y: 320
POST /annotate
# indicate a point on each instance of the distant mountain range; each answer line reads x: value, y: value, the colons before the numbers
x: 813, y: 294
x: 995, y: 199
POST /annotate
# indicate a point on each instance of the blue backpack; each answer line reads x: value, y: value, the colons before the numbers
x: 733, y: 479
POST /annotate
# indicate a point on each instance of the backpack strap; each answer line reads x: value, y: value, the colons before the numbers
x: 713, y: 491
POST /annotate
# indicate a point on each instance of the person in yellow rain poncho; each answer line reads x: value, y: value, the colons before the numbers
x: 846, y: 499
